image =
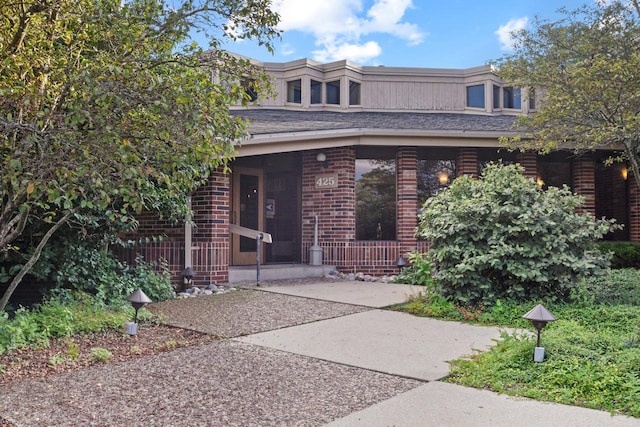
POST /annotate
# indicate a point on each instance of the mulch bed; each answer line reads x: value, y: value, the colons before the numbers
x: 67, y: 354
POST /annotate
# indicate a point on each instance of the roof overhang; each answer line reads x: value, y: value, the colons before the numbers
x: 321, y: 139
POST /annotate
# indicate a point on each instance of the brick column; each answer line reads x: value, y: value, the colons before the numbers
x: 407, y: 196
x: 634, y: 210
x: 210, y: 236
x: 467, y: 162
x: 529, y: 160
x: 334, y: 206
x: 584, y: 182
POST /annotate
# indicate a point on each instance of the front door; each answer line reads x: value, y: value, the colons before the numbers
x: 247, y: 211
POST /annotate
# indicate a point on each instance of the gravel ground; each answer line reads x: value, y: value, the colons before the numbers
x: 220, y: 383
x: 246, y: 312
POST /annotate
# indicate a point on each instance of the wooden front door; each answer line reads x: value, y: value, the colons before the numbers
x: 247, y: 211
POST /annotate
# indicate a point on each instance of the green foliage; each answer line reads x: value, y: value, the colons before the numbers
x: 620, y: 286
x: 78, y: 314
x: 588, y: 361
x: 108, y: 107
x: 99, y: 273
x: 586, y: 66
x: 625, y: 254
x: 591, y: 351
x: 501, y: 237
x: 418, y: 272
x: 99, y: 354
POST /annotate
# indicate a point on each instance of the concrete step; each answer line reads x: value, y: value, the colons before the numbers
x: 247, y: 273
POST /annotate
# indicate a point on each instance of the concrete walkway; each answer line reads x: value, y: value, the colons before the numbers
x: 404, y: 345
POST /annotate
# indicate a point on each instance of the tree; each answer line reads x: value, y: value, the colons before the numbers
x: 109, y: 107
x: 585, y: 70
x: 500, y: 236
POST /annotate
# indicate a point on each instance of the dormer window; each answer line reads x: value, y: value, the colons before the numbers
x: 316, y: 92
x: 512, y: 98
x: 475, y: 96
x: 354, y: 93
x: 294, y: 91
x: 333, y: 92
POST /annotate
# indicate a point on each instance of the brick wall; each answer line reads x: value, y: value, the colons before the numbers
x: 634, y: 210
x: 210, y: 235
x: 334, y: 207
x: 467, y: 162
x: 584, y: 182
x: 407, y: 194
x: 529, y: 161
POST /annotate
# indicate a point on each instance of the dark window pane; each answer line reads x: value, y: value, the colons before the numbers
x: 333, y: 92
x: 375, y: 199
x: 475, y: 96
x: 354, y: 93
x: 512, y: 98
x: 316, y: 92
x: 294, y: 91
x: 496, y: 96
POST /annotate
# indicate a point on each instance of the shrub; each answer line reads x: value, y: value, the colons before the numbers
x: 99, y: 273
x: 621, y: 286
x: 501, y: 237
x: 418, y: 272
x: 624, y: 254
x: 62, y: 316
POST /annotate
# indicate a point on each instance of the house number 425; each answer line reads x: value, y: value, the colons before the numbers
x: 326, y: 181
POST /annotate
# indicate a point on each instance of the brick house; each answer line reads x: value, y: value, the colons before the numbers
x: 353, y: 151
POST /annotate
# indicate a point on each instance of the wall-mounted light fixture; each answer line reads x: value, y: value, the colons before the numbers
x: 625, y: 173
x: 322, y: 158
x: 539, y: 182
x: 443, y: 178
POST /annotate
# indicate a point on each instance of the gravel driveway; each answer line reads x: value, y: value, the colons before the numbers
x: 222, y: 383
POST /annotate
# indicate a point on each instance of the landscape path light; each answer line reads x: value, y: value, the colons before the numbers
x: 138, y: 299
x: 539, y: 317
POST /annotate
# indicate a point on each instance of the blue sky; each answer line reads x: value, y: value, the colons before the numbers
x: 402, y: 33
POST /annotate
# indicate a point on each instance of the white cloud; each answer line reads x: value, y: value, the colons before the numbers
x: 505, y: 32
x: 359, y: 53
x: 341, y: 27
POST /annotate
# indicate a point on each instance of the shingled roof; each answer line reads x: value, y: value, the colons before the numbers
x: 274, y: 121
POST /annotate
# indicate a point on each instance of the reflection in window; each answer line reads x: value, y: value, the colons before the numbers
x: 433, y: 177
x: 375, y: 199
x: 496, y: 97
x: 475, y: 96
x: 512, y: 98
x: 249, y: 87
x: 316, y: 92
x: 333, y: 92
x: 553, y: 172
x: 294, y: 91
x: 354, y: 93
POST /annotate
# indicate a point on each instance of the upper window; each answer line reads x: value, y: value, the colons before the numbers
x: 333, y: 92
x: 496, y: 97
x: 475, y: 96
x: 294, y: 91
x: 354, y: 93
x: 250, y: 90
x: 512, y: 98
x: 375, y: 194
x: 532, y: 98
x: 316, y: 92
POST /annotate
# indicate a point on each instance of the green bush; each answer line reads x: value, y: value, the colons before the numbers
x: 621, y: 286
x: 501, y: 237
x: 418, y: 272
x: 99, y: 273
x: 624, y: 254
x: 75, y: 313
